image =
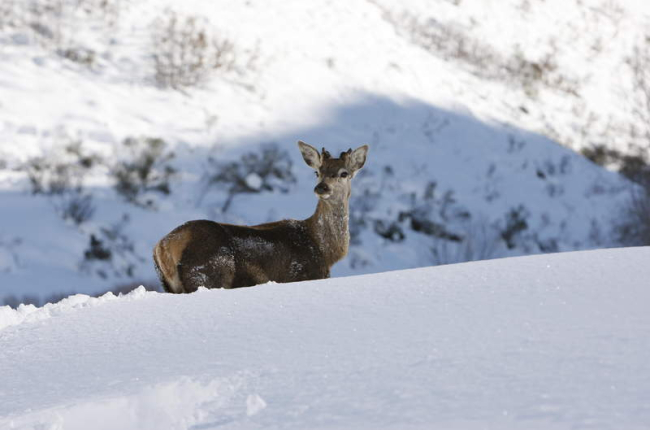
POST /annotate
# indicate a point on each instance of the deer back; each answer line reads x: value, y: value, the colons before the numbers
x: 214, y: 255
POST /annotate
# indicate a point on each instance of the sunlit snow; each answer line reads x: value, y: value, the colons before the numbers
x: 556, y: 341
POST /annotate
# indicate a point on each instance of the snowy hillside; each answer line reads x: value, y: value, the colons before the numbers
x: 556, y: 341
x: 119, y: 120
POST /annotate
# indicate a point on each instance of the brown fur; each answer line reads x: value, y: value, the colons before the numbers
x: 214, y: 255
x: 167, y: 255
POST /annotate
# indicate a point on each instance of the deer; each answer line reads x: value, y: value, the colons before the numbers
x: 204, y: 253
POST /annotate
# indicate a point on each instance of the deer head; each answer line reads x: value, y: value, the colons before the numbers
x: 334, y: 174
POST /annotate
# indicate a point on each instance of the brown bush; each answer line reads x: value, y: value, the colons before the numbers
x: 187, y: 51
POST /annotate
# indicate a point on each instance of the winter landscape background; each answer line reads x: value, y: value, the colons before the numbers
x: 497, y: 129
x: 120, y: 120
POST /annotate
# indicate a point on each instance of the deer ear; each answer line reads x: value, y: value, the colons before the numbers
x: 357, y: 158
x: 310, y: 155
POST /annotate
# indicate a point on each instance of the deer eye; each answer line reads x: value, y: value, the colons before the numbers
x: 344, y: 174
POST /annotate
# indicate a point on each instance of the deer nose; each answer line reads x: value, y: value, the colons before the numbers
x: 322, y: 188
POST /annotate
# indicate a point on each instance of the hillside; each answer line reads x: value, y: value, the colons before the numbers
x: 544, y: 342
x: 472, y: 113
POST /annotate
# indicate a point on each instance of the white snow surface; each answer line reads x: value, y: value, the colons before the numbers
x: 556, y: 341
x: 29, y: 313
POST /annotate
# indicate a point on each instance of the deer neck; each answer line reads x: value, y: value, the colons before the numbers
x: 329, y: 229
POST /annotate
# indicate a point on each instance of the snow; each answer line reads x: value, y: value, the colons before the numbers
x: 543, y: 342
x: 338, y: 75
x: 558, y: 341
x: 30, y: 313
x: 254, y: 181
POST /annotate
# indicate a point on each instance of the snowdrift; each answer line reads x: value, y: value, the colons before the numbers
x: 545, y: 342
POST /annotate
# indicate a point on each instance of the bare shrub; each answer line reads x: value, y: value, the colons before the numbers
x: 444, y: 39
x: 144, y: 168
x: 8, y: 14
x: 61, y: 177
x: 187, y: 51
x: 455, y: 236
x: 530, y: 74
x: 633, y: 227
x: 427, y: 213
x: 46, y: 177
x: 60, y: 171
x: 110, y: 252
x: 268, y: 169
x: 600, y: 154
x: 84, y: 56
x: 451, y: 41
x: 78, y: 208
x: 55, y: 23
x: 432, y: 214
x: 634, y: 165
x: 108, y: 11
x: 390, y: 230
x: 639, y: 63
x: 515, y: 223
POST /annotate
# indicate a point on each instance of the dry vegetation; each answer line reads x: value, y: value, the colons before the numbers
x: 186, y: 51
x: 144, y: 167
x: 453, y: 43
x: 268, y: 169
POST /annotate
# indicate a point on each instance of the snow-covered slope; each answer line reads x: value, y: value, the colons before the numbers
x: 556, y: 341
x: 461, y: 145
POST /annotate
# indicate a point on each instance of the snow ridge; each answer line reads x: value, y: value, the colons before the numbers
x: 554, y: 341
x: 30, y: 313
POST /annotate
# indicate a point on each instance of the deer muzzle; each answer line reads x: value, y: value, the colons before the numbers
x: 322, y: 189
